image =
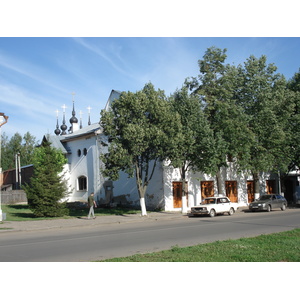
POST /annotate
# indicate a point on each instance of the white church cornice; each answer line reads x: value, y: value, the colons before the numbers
x: 91, y: 130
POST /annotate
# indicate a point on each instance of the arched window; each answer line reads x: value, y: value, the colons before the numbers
x: 84, y: 151
x: 79, y: 152
x: 82, y: 183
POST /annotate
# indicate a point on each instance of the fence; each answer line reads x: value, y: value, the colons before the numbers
x: 14, y: 196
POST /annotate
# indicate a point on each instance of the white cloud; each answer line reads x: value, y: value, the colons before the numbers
x: 103, y: 55
x: 36, y: 73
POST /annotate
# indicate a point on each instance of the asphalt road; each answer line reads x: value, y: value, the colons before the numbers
x: 115, y: 240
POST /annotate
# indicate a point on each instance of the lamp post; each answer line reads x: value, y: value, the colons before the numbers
x: 3, y: 120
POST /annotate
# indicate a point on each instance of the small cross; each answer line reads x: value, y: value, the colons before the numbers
x: 64, y: 107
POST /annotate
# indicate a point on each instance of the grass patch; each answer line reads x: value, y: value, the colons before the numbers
x: 21, y: 212
x: 277, y: 247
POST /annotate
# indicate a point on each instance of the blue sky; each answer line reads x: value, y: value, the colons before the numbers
x: 38, y: 75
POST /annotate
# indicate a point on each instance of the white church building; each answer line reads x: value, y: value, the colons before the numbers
x: 82, y: 148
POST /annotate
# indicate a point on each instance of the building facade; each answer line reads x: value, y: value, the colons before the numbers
x: 83, y: 146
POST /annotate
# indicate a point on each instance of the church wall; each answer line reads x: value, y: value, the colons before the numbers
x: 155, y: 192
x: 125, y: 192
x: 82, y: 162
x: 159, y: 194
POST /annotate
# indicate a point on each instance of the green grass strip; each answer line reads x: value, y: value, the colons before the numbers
x: 21, y: 212
x: 278, y: 247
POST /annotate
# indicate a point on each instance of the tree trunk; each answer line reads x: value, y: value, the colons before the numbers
x: 256, y: 185
x: 143, y: 206
x: 141, y: 189
x: 142, y: 201
x: 184, y: 208
x: 219, y: 183
x: 183, y: 194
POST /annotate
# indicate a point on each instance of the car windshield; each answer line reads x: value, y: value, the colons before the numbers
x: 209, y: 201
x: 266, y: 197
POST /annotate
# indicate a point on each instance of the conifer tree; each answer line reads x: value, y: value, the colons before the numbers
x: 47, y: 187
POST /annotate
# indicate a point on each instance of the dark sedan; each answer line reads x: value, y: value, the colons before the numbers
x: 268, y: 202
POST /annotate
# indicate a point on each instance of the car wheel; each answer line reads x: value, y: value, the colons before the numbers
x: 212, y: 213
x: 269, y: 208
x: 283, y: 207
x: 231, y: 211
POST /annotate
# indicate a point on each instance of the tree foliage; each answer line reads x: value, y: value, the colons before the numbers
x: 246, y: 114
x: 216, y: 86
x: 249, y: 109
x: 17, y: 144
x: 265, y: 100
x: 47, y: 187
x: 294, y: 120
x: 195, y: 144
x: 141, y: 129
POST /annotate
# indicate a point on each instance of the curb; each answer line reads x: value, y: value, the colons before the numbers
x: 18, y: 226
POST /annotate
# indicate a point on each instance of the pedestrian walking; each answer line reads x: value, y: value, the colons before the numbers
x: 91, y: 204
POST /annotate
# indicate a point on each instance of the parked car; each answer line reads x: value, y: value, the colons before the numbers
x: 268, y: 202
x: 214, y: 205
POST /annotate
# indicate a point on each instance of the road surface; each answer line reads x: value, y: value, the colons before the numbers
x: 116, y: 240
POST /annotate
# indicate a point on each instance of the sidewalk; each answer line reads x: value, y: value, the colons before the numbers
x: 10, y: 226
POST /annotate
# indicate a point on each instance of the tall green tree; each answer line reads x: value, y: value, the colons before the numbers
x: 264, y: 99
x: 140, y: 128
x: 294, y: 120
x: 47, y: 187
x: 4, y: 143
x: 28, y: 145
x: 195, y: 149
x: 17, y: 144
x: 216, y: 85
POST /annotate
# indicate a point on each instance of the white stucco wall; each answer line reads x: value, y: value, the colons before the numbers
x: 125, y: 191
x: 194, y: 185
x: 159, y: 194
x: 83, y: 165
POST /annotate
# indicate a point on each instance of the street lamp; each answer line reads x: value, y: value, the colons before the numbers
x: 3, y: 120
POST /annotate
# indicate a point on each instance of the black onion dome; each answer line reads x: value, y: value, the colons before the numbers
x: 73, y: 120
x: 57, y: 131
x: 63, y: 127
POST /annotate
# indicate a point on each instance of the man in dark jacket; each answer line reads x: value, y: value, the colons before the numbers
x: 91, y: 203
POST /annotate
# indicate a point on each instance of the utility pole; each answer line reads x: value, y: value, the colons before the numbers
x: 18, y: 171
x: 3, y: 120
